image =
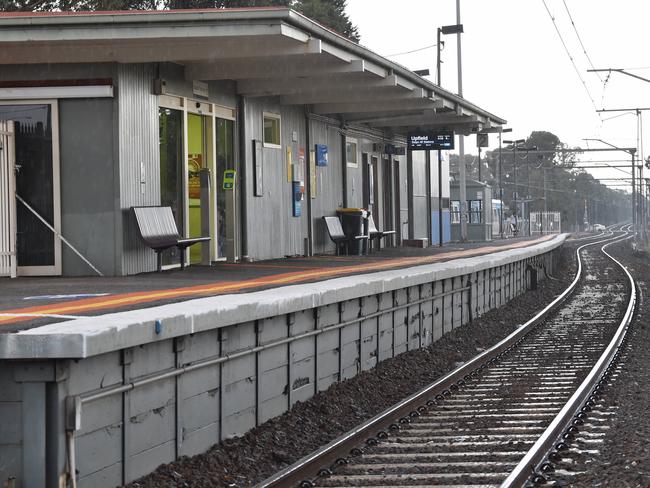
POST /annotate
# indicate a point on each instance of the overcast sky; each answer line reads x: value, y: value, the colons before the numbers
x: 515, y: 66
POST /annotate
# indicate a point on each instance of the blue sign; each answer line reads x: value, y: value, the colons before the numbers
x: 321, y: 155
x: 423, y: 141
x: 297, y: 192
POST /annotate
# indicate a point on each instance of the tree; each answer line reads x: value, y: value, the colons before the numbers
x: 330, y: 13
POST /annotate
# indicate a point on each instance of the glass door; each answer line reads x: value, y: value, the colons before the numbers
x: 37, y: 184
x: 171, y: 172
x: 200, y: 171
x: 225, y: 160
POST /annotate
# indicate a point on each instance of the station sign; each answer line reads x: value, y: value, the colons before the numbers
x: 424, y: 141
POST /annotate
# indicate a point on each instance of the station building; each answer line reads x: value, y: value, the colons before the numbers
x: 104, y: 111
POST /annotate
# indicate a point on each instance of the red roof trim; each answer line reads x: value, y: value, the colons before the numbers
x: 134, y: 12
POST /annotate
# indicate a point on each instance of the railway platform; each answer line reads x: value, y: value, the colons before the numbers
x: 124, y: 374
x: 30, y: 302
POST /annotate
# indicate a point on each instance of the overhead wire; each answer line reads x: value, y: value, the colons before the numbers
x: 584, y: 84
x: 412, y: 51
x: 584, y: 49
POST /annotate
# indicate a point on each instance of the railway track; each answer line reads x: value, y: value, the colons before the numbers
x: 502, y: 418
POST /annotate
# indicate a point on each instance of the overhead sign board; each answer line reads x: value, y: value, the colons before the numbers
x: 424, y: 141
x: 482, y: 140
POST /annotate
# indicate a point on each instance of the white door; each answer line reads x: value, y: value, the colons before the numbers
x: 37, y: 186
x: 7, y: 201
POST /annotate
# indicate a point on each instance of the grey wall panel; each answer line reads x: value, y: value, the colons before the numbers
x: 94, y: 373
x: 139, y: 159
x: 413, y: 317
x: 11, y: 449
x: 99, y: 450
x: 10, y: 432
x: 329, y: 183
x: 203, y: 381
x: 152, y: 416
x: 102, y: 414
x: 109, y: 477
x: 200, y: 411
x: 87, y: 185
x: 272, y: 229
x: 155, y: 357
x: 146, y: 461
x: 438, y: 311
x: 200, y: 440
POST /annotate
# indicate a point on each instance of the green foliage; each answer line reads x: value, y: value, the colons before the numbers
x: 329, y: 13
x: 553, y: 182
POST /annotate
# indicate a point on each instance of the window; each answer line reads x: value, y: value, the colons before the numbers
x: 475, y: 211
x: 352, y: 151
x: 455, y: 212
x: 271, y: 130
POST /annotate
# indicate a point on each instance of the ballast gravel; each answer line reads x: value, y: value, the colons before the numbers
x: 279, y: 442
x: 623, y: 457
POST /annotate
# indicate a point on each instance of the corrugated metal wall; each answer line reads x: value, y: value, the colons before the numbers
x: 139, y: 159
x: 329, y: 182
x: 272, y: 230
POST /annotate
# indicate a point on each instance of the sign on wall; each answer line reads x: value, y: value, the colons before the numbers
x: 321, y: 155
x: 424, y: 141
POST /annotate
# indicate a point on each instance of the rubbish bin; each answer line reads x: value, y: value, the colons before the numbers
x: 353, y: 221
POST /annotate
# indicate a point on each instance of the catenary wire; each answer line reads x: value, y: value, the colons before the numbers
x: 571, y: 58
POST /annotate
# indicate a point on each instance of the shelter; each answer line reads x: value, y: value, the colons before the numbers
x: 479, y: 211
x: 112, y: 110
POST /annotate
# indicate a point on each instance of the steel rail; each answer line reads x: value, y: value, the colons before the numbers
x: 308, y: 467
x: 535, y: 462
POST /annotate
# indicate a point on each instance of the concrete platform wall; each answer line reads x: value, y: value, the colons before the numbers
x: 161, y: 400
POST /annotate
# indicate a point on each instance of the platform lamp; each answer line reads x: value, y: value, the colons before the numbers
x: 515, y: 143
x: 445, y: 29
x: 500, y: 181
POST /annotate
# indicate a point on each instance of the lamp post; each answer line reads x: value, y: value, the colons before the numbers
x: 447, y: 29
x: 515, y: 144
x: 500, y: 182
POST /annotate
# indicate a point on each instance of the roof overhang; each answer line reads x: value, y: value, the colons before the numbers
x: 267, y: 52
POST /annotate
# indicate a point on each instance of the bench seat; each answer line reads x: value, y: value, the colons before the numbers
x: 159, y: 232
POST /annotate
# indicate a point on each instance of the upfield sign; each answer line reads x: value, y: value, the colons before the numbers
x: 424, y: 141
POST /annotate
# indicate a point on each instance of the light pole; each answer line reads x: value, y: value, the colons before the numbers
x: 515, y: 143
x: 500, y: 181
x: 447, y: 29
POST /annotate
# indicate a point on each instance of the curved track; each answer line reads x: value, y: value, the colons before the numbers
x: 495, y: 419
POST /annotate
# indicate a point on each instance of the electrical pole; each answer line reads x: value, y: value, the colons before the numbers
x: 461, y: 141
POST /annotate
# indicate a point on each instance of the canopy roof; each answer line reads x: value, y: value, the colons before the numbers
x: 267, y: 51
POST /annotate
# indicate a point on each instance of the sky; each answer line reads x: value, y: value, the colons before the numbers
x: 515, y: 66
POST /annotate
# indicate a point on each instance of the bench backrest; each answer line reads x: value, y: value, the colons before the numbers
x: 157, y: 225
x: 334, y: 227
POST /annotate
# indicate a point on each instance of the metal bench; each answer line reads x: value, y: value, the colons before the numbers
x: 335, y: 231
x: 159, y: 232
x: 374, y: 233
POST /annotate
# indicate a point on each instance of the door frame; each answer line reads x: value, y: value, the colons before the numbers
x: 56, y: 268
x: 214, y: 111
